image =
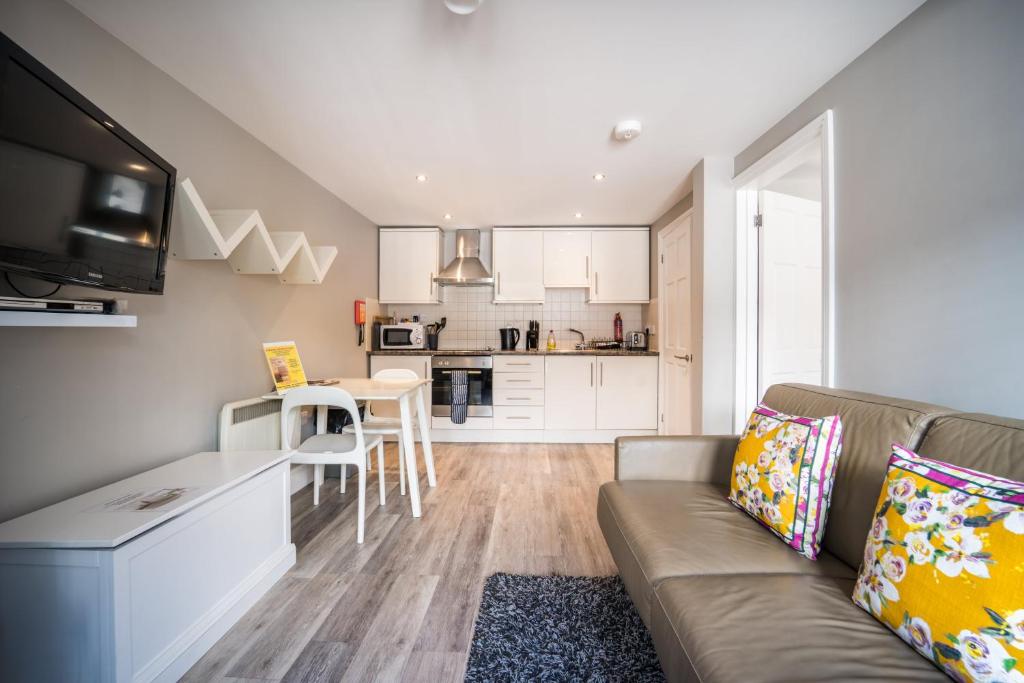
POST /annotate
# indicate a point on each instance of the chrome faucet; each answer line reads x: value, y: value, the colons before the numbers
x: 583, y: 339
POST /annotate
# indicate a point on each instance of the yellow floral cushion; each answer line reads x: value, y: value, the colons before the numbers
x: 782, y: 474
x: 944, y: 566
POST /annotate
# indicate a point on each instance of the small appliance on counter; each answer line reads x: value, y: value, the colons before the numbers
x: 533, y: 336
x: 636, y: 341
x: 402, y: 336
x: 509, y: 338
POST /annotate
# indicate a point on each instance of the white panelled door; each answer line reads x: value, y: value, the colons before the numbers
x: 676, y: 321
x: 790, y: 291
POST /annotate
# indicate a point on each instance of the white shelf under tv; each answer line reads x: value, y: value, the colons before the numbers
x: 45, y: 319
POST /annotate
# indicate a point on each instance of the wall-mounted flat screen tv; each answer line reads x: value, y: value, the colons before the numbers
x: 82, y: 201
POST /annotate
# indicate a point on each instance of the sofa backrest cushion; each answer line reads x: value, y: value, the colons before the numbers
x: 871, y: 424
x: 989, y: 444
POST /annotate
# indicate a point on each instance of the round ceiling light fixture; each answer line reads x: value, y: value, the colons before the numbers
x: 579, y: 214
x: 447, y: 216
x: 463, y: 6
x: 600, y: 176
x: 628, y: 130
x: 421, y: 178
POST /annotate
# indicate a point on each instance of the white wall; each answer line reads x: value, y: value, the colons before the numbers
x: 714, y: 203
x: 929, y: 143
x: 80, y: 408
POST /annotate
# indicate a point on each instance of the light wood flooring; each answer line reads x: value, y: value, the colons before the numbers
x: 401, y: 607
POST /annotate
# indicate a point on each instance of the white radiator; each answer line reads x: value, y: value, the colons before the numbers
x: 254, y: 424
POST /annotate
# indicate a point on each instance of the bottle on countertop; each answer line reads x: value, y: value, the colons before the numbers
x: 551, y: 340
x: 618, y: 328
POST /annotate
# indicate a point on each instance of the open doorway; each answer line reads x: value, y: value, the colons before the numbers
x: 785, y: 251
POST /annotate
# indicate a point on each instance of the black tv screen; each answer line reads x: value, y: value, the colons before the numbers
x: 82, y: 201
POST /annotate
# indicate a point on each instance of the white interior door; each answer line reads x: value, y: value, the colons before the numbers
x: 676, y: 321
x: 790, y: 291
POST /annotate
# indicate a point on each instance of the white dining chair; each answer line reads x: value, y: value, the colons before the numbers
x: 329, y: 449
x: 382, y: 426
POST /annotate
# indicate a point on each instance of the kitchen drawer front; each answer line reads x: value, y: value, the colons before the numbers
x: 514, y: 417
x: 518, y: 364
x: 518, y: 397
x: 518, y: 380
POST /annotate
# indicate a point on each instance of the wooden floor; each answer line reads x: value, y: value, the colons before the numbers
x: 402, y: 605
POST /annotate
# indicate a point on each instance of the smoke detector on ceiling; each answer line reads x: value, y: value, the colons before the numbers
x: 628, y: 130
x: 463, y: 6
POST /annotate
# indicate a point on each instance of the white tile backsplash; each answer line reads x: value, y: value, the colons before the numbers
x: 474, y: 319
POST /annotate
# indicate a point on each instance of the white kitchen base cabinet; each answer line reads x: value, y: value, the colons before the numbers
x: 88, y: 594
x: 570, y: 392
x: 627, y: 392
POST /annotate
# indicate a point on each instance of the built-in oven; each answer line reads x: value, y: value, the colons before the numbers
x: 480, y: 376
x: 401, y: 336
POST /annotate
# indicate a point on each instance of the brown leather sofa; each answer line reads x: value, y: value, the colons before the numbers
x: 724, y: 599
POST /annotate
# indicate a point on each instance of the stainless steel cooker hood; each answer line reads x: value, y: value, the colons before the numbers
x: 465, y: 270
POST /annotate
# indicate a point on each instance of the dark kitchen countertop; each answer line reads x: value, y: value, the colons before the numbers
x: 521, y: 352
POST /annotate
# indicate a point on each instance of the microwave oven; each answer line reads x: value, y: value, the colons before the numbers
x: 402, y: 336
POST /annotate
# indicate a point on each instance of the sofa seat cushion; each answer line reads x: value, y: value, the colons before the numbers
x: 775, y: 627
x: 662, y: 529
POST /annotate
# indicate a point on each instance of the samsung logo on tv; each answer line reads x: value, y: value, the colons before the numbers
x: 98, y: 276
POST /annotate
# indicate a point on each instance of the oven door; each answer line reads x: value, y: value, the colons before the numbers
x: 480, y: 377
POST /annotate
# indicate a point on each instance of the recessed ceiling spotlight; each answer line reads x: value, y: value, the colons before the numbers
x: 463, y: 6
x: 421, y: 178
x: 600, y: 176
x: 627, y: 130
x: 447, y: 216
x: 579, y: 214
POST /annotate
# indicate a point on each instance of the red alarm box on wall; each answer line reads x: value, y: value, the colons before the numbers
x: 360, y: 319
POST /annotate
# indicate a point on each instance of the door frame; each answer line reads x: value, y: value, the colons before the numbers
x: 694, y: 394
x: 768, y: 168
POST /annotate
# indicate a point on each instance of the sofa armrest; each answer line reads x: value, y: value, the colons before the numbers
x: 679, y: 458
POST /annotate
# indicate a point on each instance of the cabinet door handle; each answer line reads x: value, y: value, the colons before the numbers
x: 517, y: 398
x: 601, y: 368
x: 516, y: 363
x: 516, y: 417
x: 517, y: 380
x: 591, y: 374
x: 431, y: 282
x: 595, y: 283
x: 588, y: 266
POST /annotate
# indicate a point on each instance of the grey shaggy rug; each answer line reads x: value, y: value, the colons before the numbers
x: 559, y: 628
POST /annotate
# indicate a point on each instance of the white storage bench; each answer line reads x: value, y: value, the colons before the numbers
x: 90, y: 591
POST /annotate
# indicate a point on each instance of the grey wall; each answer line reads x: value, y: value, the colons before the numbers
x: 83, y: 407
x: 677, y: 210
x: 929, y: 140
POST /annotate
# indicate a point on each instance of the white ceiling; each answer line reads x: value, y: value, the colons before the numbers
x: 510, y: 110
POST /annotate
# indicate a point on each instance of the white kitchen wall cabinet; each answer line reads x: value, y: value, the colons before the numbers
x: 620, y: 266
x: 518, y: 265
x: 627, y: 392
x: 567, y: 258
x: 570, y: 392
x: 409, y: 260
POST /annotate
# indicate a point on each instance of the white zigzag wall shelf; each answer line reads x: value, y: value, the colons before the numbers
x: 240, y: 237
